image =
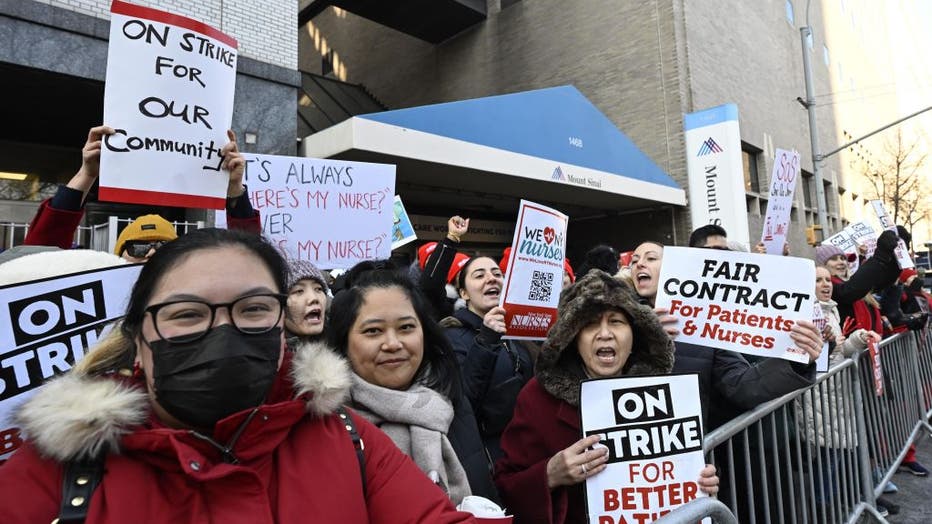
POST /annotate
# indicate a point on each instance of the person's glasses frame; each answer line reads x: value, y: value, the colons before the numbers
x: 140, y: 248
x: 281, y: 300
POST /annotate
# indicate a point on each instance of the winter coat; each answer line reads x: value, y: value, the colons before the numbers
x: 828, y: 393
x: 877, y: 272
x: 546, y: 419
x: 55, y: 225
x: 732, y: 385
x: 493, y: 371
x: 295, y: 458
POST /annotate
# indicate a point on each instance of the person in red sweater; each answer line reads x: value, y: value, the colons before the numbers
x: 58, y: 217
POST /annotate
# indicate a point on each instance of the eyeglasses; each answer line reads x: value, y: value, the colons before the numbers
x: 182, y: 321
x: 139, y: 249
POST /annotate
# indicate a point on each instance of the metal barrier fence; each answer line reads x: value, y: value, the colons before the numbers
x: 99, y: 237
x: 698, y: 509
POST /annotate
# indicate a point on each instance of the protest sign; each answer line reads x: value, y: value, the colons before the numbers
x: 818, y: 318
x: 330, y: 212
x: 402, y: 230
x: 876, y: 367
x: 780, y: 200
x: 886, y: 222
x: 652, y: 427
x: 169, y: 95
x: 844, y: 241
x: 534, y: 275
x: 47, y: 325
x: 737, y: 301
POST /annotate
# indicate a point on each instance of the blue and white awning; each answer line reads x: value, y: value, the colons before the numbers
x: 552, y: 135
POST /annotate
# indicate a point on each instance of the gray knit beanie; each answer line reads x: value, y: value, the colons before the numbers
x: 303, y: 270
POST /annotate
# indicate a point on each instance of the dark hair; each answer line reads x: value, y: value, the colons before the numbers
x: 460, y: 281
x: 698, y: 237
x: 176, y: 251
x: 439, y: 370
x: 600, y: 257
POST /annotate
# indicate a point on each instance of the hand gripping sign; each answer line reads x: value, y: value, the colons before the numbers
x: 534, y: 276
x: 169, y: 95
x: 652, y: 427
x: 738, y: 301
x: 902, y: 254
x: 47, y: 325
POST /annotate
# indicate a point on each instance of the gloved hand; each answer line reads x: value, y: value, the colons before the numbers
x: 887, y: 241
x: 917, y: 321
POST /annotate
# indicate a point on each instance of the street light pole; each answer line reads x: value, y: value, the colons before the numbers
x: 809, y: 104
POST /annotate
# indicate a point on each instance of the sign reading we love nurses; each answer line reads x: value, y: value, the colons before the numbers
x: 738, y: 301
x: 534, y: 276
x: 169, y: 96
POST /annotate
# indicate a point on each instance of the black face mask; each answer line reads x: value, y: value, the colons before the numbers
x: 915, y: 286
x: 209, y: 379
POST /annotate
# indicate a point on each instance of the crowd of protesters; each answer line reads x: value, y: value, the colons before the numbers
x: 388, y: 394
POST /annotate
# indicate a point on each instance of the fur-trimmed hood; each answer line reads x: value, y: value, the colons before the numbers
x: 560, y: 368
x: 78, y: 416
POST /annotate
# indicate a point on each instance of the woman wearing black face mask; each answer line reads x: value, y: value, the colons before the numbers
x: 217, y: 423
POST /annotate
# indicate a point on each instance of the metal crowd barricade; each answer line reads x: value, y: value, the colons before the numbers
x: 924, y: 359
x: 99, y: 237
x: 698, y: 509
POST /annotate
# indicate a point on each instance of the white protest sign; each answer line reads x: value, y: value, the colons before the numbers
x: 534, y: 275
x: 818, y: 318
x: 47, y: 325
x: 738, y: 301
x: 845, y: 242
x: 652, y: 427
x: 402, y: 230
x: 780, y: 200
x: 332, y: 213
x: 886, y: 222
x: 169, y: 95
x: 863, y: 235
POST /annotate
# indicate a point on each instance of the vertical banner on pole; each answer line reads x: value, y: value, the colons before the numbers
x: 716, y: 177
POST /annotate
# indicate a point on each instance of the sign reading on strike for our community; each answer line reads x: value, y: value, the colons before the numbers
x: 886, y: 222
x: 780, y: 201
x: 652, y: 427
x: 47, y: 325
x: 169, y: 96
x: 737, y: 301
x: 329, y: 212
x: 534, y: 276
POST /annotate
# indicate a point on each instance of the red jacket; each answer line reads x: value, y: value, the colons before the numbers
x: 296, y: 464
x: 56, y: 227
x: 542, y: 426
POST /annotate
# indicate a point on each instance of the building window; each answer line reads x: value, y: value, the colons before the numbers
x: 749, y: 158
x: 789, y: 13
x: 825, y: 55
x: 807, y: 190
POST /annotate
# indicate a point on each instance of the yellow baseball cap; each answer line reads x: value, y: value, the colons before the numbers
x: 146, y: 227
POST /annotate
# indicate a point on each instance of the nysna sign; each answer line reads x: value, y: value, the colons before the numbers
x: 716, y: 177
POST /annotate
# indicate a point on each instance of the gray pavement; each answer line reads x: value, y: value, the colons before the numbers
x: 915, y: 495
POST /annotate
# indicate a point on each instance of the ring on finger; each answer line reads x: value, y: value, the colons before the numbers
x: 584, y: 470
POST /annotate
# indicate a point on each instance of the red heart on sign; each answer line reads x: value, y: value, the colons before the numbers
x: 549, y: 235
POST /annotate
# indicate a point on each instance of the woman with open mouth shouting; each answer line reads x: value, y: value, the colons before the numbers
x: 493, y: 370
x: 307, y: 303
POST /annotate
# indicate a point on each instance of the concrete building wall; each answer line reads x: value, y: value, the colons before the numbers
x: 265, y: 29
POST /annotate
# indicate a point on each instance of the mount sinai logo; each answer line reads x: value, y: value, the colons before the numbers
x: 709, y: 147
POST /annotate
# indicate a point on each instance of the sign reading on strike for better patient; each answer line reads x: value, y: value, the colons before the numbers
x: 738, y: 301
x: 329, y: 212
x: 169, y: 96
x: 652, y: 427
x: 534, y: 275
x: 47, y: 325
x: 780, y: 201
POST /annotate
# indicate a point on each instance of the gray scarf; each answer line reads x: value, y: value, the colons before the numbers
x: 417, y: 420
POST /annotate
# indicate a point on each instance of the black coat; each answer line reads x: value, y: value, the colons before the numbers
x: 732, y: 385
x: 877, y: 272
x: 493, y: 371
x: 467, y: 444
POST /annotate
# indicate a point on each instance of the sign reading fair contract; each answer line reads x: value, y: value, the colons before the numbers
x: 782, y: 186
x: 329, y: 212
x: 534, y: 276
x: 886, y: 222
x: 652, y: 427
x: 738, y: 301
x: 47, y: 325
x: 169, y: 96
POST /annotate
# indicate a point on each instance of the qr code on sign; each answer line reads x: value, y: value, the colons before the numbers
x: 541, y: 286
